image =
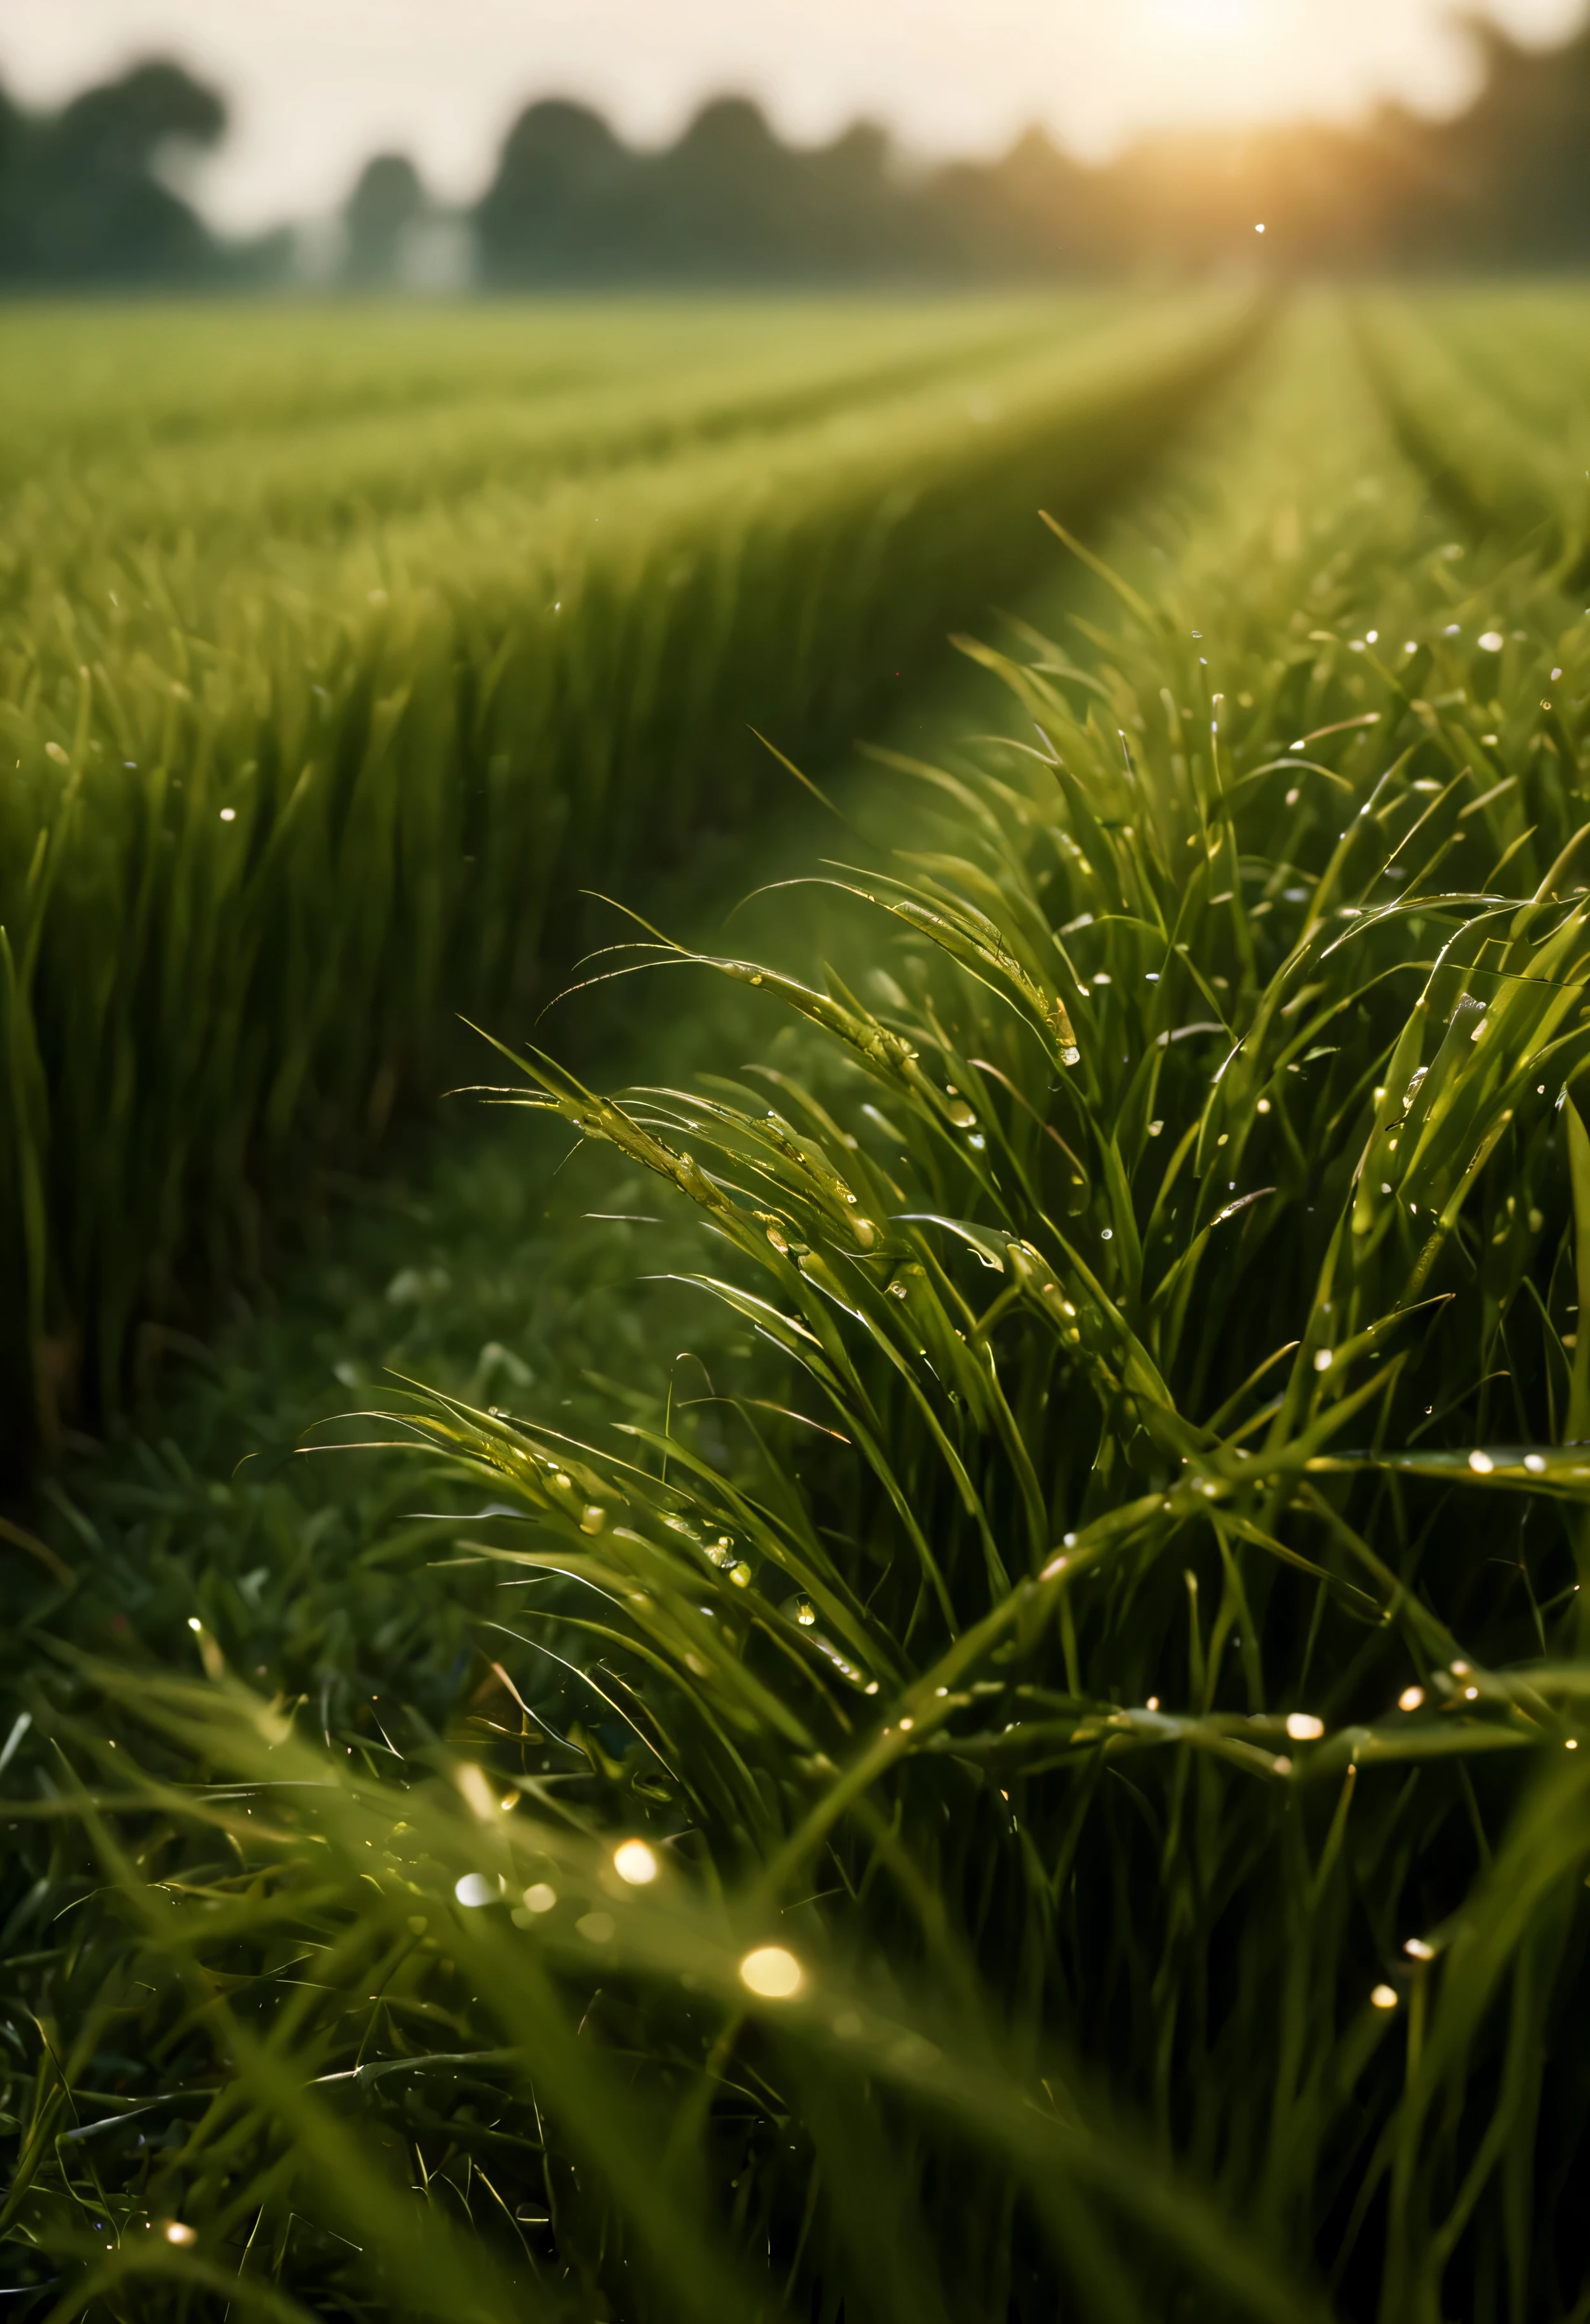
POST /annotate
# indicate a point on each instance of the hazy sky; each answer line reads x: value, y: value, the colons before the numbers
x: 317, y: 85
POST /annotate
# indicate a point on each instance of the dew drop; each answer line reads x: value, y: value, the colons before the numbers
x: 771, y: 1972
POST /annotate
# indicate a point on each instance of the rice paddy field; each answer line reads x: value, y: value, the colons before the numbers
x: 885, y: 1631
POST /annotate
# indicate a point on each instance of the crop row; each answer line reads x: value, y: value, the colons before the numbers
x: 1491, y: 415
x: 259, y: 834
x: 1526, y: 344
x: 1083, y: 1807
x: 242, y: 480
x: 85, y: 382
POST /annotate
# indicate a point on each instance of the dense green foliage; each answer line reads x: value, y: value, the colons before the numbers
x: 1088, y: 1650
x: 83, y: 196
x: 316, y: 722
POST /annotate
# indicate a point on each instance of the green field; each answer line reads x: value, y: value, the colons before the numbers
x: 942, y: 1679
x: 317, y: 717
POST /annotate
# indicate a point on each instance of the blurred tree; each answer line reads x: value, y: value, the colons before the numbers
x: 726, y: 200
x: 1035, y: 211
x: 13, y: 135
x: 82, y: 199
x: 389, y: 198
x: 553, y: 207
x: 858, y: 217
x: 1517, y: 164
x: 729, y: 201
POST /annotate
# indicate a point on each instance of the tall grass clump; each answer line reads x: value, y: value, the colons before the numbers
x: 265, y: 824
x: 1061, y: 1790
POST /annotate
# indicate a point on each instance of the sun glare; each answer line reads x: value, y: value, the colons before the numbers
x: 1207, y: 20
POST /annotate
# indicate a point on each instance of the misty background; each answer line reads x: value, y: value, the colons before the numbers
x: 97, y: 193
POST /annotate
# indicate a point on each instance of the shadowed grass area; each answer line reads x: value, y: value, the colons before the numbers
x: 1040, y: 1772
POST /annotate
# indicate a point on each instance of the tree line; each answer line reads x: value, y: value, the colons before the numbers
x: 83, y: 194
x: 86, y: 195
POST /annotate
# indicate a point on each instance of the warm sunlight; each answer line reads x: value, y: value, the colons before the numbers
x: 315, y: 88
x: 1212, y: 20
